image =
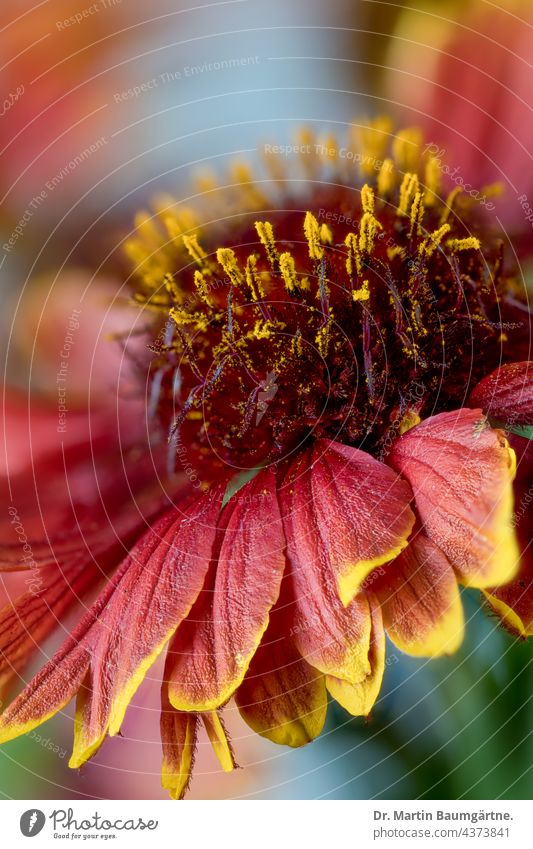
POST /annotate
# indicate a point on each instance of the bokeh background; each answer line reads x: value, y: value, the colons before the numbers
x: 103, y: 110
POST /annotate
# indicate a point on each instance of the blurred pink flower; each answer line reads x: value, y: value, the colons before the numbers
x: 80, y: 319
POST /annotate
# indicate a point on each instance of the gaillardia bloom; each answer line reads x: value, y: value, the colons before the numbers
x: 358, y: 354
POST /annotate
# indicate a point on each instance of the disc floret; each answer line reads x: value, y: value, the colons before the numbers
x: 297, y: 326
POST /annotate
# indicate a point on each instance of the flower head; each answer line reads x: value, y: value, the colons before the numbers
x: 356, y: 358
x: 374, y: 305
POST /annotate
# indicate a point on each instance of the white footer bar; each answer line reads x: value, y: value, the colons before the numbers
x: 269, y: 824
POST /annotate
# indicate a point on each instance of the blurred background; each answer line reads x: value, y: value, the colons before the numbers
x: 104, y: 105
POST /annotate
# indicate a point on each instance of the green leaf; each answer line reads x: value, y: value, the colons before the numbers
x: 525, y: 431
x: 238, y: 482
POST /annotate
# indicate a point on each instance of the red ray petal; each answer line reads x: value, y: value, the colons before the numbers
x: 25, y: 623
x: 72, y: 485
x: 71, y: 500
x: 331, y: 637
x: 219, y: 739
x: 506, y: 395
x: 213, y: 647
x: 282, y: 697
x: 74, y: 513
x: 420, y: 599
x: 352, y: 510
x: 344, y: 513
x: 514, y: 602
x: 178, y: 739
x: 55, y: 589
x: 121, y: 636
x: 81, y: 564
x: 359, y: 698
x: 461, y: 472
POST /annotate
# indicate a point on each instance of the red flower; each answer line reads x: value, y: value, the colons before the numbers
x: 463, y: 73
x: 331, y: 357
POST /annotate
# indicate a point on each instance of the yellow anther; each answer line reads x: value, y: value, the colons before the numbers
x: 362, y: 294
x: 305, y: 140
x: 146, y: 228
x: 297, y: 345
x: 326, y: 236
x: 322, y: 339
x: 163, y: 203
x: 172, y: 288
x: 493, y: 190
x: 265, y: 232
x: 172, y: 226
x: 394, y: 251
x: 304, y: 136
x: 187, y: 218
x: 432, y: 241
x: 406, y: 149
x: 206, y: 181
x: 367, y: 199
x: 368, y: 229
x: 373, y: 141
x: 195, y: 251
x: 264, y: 329
x: 242, y: 174
x: 183, y: 317
x: 149, y: 262
x: 261, y: 330
x: 136, y: 251
x: 408, y: 190
x: 288, y: 272
x: 416, y: 214
x: 179, y: 221
x: 386, y: 178
x: 274, y: 163
x: 449, y: 203
x: 253, y: 278
x: 432, y: 180
x: 353, y: 260
x: 312, y: 234
x: 228, y: 260
x: 468, y: 244
x: 202, y: 287
x: 327, y: 148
